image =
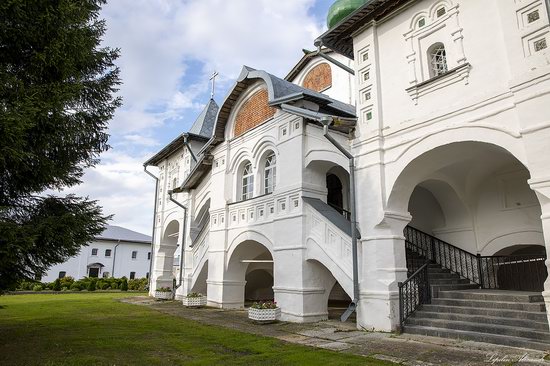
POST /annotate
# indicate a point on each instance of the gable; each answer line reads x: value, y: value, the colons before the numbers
x: 253, y: 112
x: 319, y: 78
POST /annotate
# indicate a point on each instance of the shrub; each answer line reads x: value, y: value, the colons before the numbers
x: 139, y: 284
x: 26, y: 285
x: 37, y: 288
x: 104, y: 286
x: 56, y: 285
x: 164, y: 289
x: 194, y: 294
x: 66, y: 281
x: 124, y: 284
x: 76, y: 286
x: 91, y: 286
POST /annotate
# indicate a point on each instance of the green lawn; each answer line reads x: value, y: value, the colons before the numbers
x: 95, y: 329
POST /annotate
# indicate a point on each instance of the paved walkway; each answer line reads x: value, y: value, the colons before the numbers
x: 344, y: 337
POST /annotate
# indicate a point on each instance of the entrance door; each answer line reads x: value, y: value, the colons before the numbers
x: 93, y: 272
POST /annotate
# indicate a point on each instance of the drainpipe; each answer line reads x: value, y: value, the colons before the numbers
x: 170, y: 193
x: 318, y: 52
x: 186, y: 144
x: 154, y: 217
x: 548, y: 8
x: 114, y: 259
x: 326, y: 121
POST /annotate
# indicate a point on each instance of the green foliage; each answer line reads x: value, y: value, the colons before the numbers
x: 37, y: 288
x: 124, y: 284
x: 66, y: 281
x: 164, y: 289
x: 56, y: 285
x: 194, y: 294
x: 264, y: 305
x: 57, y: 94
x: 138, y: 284
x: 91, y: 286
x: 76, y: 286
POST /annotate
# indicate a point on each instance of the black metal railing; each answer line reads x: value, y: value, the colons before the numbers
x: 345, y: 213
x: 414, y: 292
x: 520, y: 272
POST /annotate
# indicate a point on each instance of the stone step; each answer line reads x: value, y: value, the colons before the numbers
x: 447, y: 281
x: 442, y: 275
x: 489, y: 304
x: 459, y: 286
x: 478, y: 337
x: 484, y: 319
x: 492, y: 312
x: 438, y: 270
x: 495, y: 295
x: 482, y: 328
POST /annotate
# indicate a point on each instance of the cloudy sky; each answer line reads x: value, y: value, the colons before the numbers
x: 169, y: 48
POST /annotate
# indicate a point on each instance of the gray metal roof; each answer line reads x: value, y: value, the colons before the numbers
x: 331, y: 215
x: 204, y: 125
x: 117, y: 233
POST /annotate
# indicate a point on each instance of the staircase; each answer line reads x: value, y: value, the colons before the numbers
x: 459, y: 308
x: 510, y: 318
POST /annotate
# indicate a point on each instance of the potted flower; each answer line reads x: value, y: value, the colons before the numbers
x: 264, y: 312
x: 194, y: 300
x: 164, y: 293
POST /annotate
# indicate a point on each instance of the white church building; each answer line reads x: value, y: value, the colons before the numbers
x: 403, y: 167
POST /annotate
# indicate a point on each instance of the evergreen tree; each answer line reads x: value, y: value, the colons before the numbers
x: 57, y: 94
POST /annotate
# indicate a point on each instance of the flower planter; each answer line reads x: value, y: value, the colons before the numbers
x: 162, y: 295
x: 194, y: 302
x: 264, y: 316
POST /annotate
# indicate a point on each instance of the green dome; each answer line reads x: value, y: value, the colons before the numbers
x: 341, y: 9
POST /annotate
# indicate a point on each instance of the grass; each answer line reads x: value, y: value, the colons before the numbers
x: 96, y: 329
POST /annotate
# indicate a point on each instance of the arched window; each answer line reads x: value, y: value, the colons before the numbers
x: 270, y: 173
x: 247, y: 182
x: 437, y: 56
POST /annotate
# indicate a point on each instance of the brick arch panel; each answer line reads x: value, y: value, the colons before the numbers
x: 319, y: 78
x: 253, y: 112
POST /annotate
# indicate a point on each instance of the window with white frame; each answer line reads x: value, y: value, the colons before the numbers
x: 94, y: 251
x: 270, y: 173
x: 247, y: 182
x: 134, y: 254
x: 437, y: 57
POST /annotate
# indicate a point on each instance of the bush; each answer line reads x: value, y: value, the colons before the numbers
x: 76, y: 286
x: 56, y: 285
x: 37, y: 288
x: 66, y: 281
x: 138, y: 284
x: 26, y: 285
x: 124, y: 284
x: 91, y: 286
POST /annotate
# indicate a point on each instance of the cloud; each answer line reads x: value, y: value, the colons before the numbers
x: 168, y: 51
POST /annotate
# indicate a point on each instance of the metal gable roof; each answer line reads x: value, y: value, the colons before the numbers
x: 116, y: 233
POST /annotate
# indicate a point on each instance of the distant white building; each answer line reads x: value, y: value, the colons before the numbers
x: 117, y: 252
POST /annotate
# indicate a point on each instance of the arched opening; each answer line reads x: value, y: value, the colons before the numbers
x: 338, y: 302
x: 200, y: 284
x: 473, y: 198
x: 250, y: 268
x: 437, y: 57
x: 335, y: 196
x: 167, y: 267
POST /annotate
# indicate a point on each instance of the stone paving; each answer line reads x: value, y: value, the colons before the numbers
x: 344, y: 337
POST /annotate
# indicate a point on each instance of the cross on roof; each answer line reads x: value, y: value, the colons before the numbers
x: 213, y: 79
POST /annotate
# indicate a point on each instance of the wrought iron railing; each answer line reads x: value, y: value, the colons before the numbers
x: 521, y: 273
x: 413, y: 292
x: 345, y: 213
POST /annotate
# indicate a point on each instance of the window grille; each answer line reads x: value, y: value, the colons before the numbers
x: 247, y: 182
x: 270, y: 173
x: 438, y: 60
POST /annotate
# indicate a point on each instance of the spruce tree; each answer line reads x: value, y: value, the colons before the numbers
x: 57, y: 93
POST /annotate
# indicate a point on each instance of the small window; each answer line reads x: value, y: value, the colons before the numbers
x: 369, y: 116
x: 270, y: 172
x: 533, y: 16
x: 247, y: 182
x: 147, y: 275
x: 107, y: 252
x: 540, y: 45
x: 421, y: 22
x: 367, y: 95
x: 134, y: 254
x: 94, y: 251
x: 132, y: 275
x: 106, y: 274
x: 365, y: 56
x: 366, y: 76
x: 62, y: 274
x: 149, y: 256
x: 440, y: 12
x: 438, y: 60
